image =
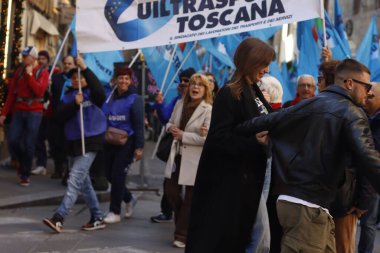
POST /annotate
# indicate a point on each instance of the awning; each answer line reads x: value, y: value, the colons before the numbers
x: 40, y: 22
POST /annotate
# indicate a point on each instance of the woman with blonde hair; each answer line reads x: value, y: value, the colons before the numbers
x: 231, y: 170
x: 188, y: 124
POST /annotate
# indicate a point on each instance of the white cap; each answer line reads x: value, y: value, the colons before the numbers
x: 30, y: 50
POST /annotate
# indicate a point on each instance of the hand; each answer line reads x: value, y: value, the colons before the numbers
x: 266, y: 95
x: 29, y: 69
x: 2, y: 119
x: 80, y: 63
x: 138, y: 154
x: 358, y: 212
x: 203, y: 131
x: 159, y: 98
x: 176, y: 132
x: 326, y: 54
x: 262, y: 138
x: 79, y: 98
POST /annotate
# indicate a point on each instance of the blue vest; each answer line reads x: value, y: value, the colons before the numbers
x: 118, y: 112
x: 93, y: 117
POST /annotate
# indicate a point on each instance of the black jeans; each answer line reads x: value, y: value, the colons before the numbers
x: 117, y: 161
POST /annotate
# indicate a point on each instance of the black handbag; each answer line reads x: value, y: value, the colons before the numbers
x: 163, y: 150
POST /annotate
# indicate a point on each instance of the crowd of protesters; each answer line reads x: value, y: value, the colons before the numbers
x: 244, y: 172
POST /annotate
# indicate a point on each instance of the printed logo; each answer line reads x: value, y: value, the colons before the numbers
x: 131, y: 26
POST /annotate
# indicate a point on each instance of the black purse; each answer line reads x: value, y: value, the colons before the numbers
x: 163, y: 150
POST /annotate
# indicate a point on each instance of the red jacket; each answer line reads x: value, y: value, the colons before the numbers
x: 25, y: 92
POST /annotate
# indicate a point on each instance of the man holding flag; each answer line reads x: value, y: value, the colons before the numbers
x: 91, y: 98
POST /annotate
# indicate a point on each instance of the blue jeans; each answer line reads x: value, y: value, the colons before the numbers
x: 260, y: 241
x: 79, y: 182
x: 368, y: 228
x: 22, y: 135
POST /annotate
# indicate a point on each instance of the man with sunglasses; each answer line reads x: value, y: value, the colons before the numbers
x: 369, y: 219
x: 310, y: 144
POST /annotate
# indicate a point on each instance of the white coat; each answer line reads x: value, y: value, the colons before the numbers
x: 192, y: 142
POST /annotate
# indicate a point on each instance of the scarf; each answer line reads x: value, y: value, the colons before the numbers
x: 187, y: 112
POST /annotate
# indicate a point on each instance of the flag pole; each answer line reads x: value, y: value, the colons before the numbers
x: 324, y: 25
x: 129, y: 66
x: 59, y: 53
x: 179, y: 68
x: 168, y: 68
x: 81, y: 114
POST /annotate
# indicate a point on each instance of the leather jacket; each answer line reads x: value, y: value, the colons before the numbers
x: 311, y: 141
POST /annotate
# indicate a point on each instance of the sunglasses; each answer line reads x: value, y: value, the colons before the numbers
x: 367, y: 86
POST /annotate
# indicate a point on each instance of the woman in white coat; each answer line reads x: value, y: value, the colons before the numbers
x: 189, y: 125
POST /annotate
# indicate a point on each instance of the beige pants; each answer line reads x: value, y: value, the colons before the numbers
x: 345, y: 233
x: 306, y: 230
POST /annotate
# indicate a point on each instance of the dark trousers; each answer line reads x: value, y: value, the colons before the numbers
x: 368, y: 228
x: 181, y: 206
x: 166, y: 209
x: 22, y: 139
x: 58, y: 145
x: 40, y: 153
x: 274, y: 225
x: 117, y: 162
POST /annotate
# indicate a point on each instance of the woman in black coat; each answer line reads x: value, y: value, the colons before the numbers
x: 232, y: 168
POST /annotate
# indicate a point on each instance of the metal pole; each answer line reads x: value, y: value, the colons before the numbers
x: 179, y: 68
x: 168, y: 68
x: 142, y: 161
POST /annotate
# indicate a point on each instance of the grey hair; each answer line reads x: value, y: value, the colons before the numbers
x: 273, y: 86
x: 307, y: 76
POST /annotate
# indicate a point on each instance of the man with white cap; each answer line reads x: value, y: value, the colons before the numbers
x: 25, y: 99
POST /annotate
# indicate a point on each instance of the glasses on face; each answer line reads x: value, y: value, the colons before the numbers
x: 185, y: 80
x: 320, y: 78
x: 367, y: 86
x: 306, y: 85
x: 196, y: 85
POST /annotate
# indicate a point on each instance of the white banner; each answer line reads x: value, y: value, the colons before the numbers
x: 106, y: 25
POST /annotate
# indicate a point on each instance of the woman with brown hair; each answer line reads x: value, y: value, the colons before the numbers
x: 231, y: 170
x: 188, y: 124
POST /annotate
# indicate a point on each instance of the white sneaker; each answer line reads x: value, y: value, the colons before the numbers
x: 129, y: 208
x: 112, y: 218
x: 179, y: 244
x: 40, y: 170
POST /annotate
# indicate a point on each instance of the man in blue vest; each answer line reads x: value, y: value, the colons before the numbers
x: 91, y: 100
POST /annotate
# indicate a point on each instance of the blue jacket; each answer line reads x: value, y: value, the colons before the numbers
x: 126, y: 112
x: 94, y: 119
x: 164, y: 111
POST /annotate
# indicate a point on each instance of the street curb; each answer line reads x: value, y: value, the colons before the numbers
x: 33, y: 200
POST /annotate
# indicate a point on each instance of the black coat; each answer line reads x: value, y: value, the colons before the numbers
x: 310, y: 142
x: 229, y: 180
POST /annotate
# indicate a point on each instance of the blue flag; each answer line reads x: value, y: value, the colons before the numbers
x: 265, y: 34
x: 309, y: 51
x: 74, y: 48
x: 286, y: 81
x: 368, y: 52
x: 217, y: 50
x: 102, y: 64
x: 274, y: 71
x: 334, y: 41
x: 339, y: 26
x: 157, y: 59
x: 231, y: 41
x: 193, y: 60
